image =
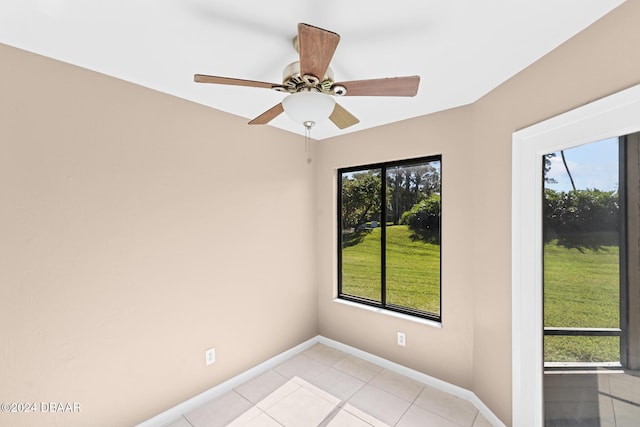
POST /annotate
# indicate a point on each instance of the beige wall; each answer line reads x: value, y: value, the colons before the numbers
x: 129, y: 246
x: 473, y: 349
x: 136, y: 231
x: 447, y: 351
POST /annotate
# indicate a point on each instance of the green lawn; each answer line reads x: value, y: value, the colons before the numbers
x: 581, y: 289
x: 413, y: 269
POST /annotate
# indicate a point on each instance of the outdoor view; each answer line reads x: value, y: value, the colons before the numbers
x: 390, y: 247
x: 581, y: 253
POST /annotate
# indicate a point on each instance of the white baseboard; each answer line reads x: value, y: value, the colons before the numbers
x: 460, y: 392
x: 177, y: 411
x: 173, y: 414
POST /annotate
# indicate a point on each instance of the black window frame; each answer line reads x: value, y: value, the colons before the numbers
x: 383, y: 166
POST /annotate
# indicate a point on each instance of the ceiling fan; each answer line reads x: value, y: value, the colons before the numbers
x: 311, y: 86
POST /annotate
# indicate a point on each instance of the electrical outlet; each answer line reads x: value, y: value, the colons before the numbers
x: 210, y: 356
x: 402, y: 339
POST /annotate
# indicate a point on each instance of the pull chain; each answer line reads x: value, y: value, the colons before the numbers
x: 307, y: 139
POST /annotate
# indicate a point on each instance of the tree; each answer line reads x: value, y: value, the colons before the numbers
x: 360, y: 198
x: 564, y: 161
x: 547, y: 168
x: 408, y: 185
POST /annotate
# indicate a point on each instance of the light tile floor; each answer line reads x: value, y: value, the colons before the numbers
x: 592, y: 399
x: 322, y: 387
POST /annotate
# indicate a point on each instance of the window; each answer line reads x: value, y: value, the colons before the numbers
x: 584, y: 254
x: 389, y: 236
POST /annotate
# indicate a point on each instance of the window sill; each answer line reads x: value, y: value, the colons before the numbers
x: 390, y: 313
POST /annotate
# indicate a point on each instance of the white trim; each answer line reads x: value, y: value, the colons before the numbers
x: 460, y: 392
x: 395, y: 314
x: 615, y: 115
x: 173, y: 414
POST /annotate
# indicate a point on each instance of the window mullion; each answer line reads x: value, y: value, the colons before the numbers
x: 623, y: 241
x: 383, y: 236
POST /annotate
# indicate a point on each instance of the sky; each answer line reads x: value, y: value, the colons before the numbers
x: 593, y: 165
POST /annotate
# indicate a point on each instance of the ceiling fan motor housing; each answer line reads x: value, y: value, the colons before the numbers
x: 293, y: 81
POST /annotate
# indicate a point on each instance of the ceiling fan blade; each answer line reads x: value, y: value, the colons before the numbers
x: 342, y: 118
x: 201, y: 78
x: 390, y: 86
x: 268, y: 115
x: 316, y: 47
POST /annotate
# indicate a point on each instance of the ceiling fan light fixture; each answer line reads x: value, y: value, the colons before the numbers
x: 308, y: 106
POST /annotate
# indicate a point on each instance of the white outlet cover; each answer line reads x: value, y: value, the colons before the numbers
x: 210, y: 356
x: 402, y: 339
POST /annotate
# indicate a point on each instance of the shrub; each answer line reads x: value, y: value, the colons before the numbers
x: 424, y: 219
x: 581, y: 217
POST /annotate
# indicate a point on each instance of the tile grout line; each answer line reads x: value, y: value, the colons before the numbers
x: 475, y: 419
x: 331, y: 415
x: 403, y: 414
x: 369, y: 382
x: 269, y: 415
x: 340, y: 407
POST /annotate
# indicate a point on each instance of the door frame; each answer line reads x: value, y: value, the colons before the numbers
x: 614, y: 115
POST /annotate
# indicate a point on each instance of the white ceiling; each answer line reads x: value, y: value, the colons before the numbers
x: 461, y: 49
